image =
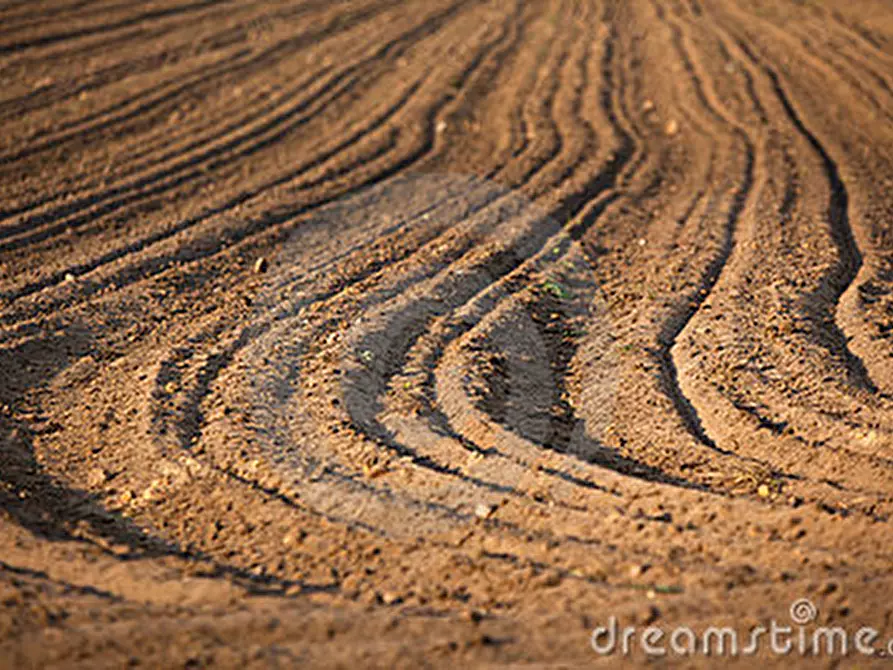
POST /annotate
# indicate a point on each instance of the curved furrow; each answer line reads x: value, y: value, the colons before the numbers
x: 262, y: 223
x: 840, y: 278
x: 566, y: 169
x: 460, y: 280
x: 552, y: 328
x: 47, y: 15
x: 105, y: 29
x: 441, y: 318
x: 675, y: 327
x: 830, y: 56
x: 327, y: 481
x: 659, y: 371
x: 418, y: 148
x: 382, y: 432
x: 345, y: 289
x: 127, y: 117
x: 741, y: 358
x: 856, y: 32
x: 425, y: 355
x: 245, y: 142
x: 256, y: 338
x: 862, y: 155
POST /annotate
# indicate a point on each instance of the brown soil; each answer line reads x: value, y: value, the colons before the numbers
x: 426, y: 332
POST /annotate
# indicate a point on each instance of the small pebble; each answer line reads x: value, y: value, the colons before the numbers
x: 638, y: 570
x: 672, y: 127
x: 483, y: 511
x: 261, y: 265
x: 390, y: 598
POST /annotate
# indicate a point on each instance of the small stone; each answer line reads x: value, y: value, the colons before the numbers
x: 763, y: 491
x: 441, y: 126
x: 647, y: 106
x: 390, y: 598
x: 638, y: 570
x: 482, y: 511
x: 261, y: 265
x: 672, y: 127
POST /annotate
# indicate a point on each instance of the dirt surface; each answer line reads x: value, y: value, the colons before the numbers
x: 416, y: 333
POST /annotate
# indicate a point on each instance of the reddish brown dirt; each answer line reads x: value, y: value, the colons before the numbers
x: 565, y: 310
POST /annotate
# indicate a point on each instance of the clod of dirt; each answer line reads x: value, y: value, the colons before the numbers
x: 97, y: 477
x: 155, y: 492
x: 650, y: 615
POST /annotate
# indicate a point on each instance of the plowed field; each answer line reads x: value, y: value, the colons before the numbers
x: 413, y: 333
